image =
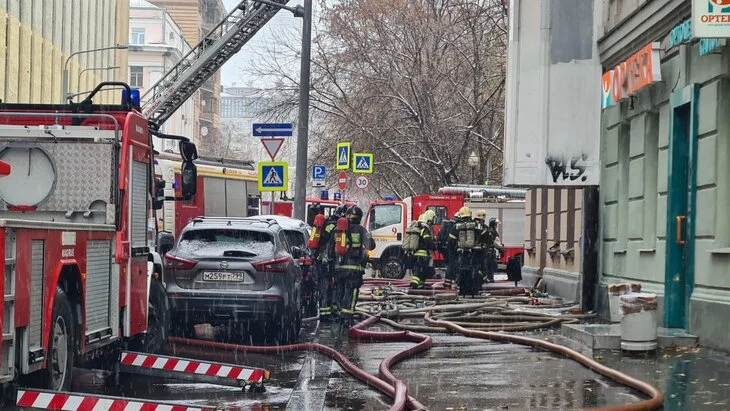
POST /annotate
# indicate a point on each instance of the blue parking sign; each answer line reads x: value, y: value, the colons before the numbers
x: 319, y: 172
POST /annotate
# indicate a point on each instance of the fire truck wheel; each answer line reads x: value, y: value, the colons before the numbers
x: 392, y: 267
x: 158, y: 321
x: 60, y: 345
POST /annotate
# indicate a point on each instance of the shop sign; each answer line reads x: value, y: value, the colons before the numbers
x: 707, y: 46
x: 711, y: 18
x: 682, y: 33
x: 630, y: 76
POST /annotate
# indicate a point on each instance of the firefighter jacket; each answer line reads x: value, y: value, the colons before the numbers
x: 452, y: 236
x: 325, y: 251
x: 358, y: 243
x: 426, y: 244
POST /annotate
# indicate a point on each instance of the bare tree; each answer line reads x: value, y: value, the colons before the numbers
x: 419, y: 83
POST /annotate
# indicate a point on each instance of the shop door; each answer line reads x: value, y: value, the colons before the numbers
x: 679, y: 268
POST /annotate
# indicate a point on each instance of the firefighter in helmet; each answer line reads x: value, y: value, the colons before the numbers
x: 324, y: 262
x: 423, y: 257
x: 466, y: 237
x: 352, y: 243
x: 447, y: 242
x: 481, y: 253
x: 494, y: 247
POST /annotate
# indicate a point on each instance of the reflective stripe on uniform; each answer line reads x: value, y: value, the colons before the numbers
x: 415, y: 280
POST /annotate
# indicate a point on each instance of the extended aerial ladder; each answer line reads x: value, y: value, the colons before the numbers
x: 196, y: 67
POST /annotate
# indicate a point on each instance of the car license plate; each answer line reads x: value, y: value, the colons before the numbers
x: 224, y: 276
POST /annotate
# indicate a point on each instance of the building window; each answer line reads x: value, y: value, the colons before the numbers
x: 136, y: 76
x: 226, y: 108
x: 137, y: 36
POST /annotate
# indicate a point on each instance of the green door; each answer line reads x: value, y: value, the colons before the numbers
x: 679, y: 268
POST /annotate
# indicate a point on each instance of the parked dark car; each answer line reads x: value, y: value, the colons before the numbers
x: 236, y: 271
x: 297, y: 233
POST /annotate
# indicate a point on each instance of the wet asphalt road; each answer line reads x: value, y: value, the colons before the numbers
x: 456, y: 373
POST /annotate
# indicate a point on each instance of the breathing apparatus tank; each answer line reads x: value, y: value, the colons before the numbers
x: 341, y: 236
x: 317, y: 227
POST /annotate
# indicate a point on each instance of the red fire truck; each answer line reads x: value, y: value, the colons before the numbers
x: 74, y: 212
x: 388, y: 219
x: 77, y: 213
x: 226, y: 188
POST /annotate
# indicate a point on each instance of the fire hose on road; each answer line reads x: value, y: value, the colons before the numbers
x: 475, y: 318
x: 387, y: 383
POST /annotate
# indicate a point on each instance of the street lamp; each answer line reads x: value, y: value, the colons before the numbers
x: 473, y: 162
x: 78, y: 82
x: 64, y: 81
x: 300, y: 185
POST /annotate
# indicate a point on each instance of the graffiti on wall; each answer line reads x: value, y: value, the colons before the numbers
x: 562, y: 169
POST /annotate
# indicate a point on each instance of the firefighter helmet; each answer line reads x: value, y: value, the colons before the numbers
x: 482, y: 214
x: 465, y: 212
x: 340, y: 211
x: 430, y: 216
x: 354, y: 214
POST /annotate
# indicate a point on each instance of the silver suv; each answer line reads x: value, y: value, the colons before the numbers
x: 227, y: 270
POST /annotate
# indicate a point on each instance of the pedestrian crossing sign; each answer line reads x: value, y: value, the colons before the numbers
x: 273, y: 176
x: 343, y: 156
x: 362, y: 163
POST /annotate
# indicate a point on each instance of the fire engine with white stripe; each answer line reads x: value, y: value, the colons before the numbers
x: 388, y: 219
x: 78, y: 200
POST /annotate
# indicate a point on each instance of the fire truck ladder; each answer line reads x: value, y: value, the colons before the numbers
x: 7, y: 361
x: 196, y: 67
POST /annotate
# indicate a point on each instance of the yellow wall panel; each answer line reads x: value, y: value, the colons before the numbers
x: 24, y: 56
x: 13, y: 59
x: 3, y: 44
x: 37, y: 36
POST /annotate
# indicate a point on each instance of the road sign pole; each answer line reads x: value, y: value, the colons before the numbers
x: 300, y: 188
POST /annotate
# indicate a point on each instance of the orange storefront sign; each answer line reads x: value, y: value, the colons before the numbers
x: 630, y: 76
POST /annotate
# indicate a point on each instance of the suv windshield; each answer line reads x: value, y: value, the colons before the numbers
x: 226, y: 242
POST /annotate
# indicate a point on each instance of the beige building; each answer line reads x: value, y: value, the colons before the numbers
x: 38, y: 37
x: 159, y: 46
x: 196, y: 18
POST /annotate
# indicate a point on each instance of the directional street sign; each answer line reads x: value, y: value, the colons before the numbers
x: 273, y: 129
x: 362, y: 163
x: 272, y: 146
x: 273, y: 176
x: 343, y: 155
x: 319, y: 172
x: 361, y: 182
x: 342, y: 180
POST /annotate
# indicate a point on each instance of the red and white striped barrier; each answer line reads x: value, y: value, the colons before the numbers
x: 194, y: 367
x: 47, y: 400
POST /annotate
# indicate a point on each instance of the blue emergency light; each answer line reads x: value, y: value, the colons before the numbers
x: 388, y: 198
x: 337, y: 196
x: 135, y: 97
x: 324, y: 195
